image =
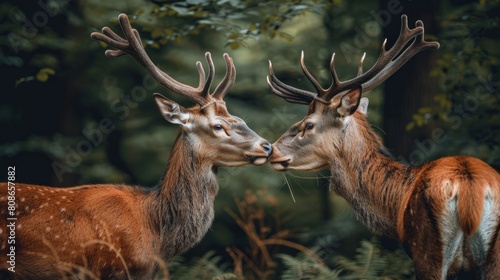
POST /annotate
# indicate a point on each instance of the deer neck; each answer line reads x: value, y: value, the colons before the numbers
x: 369, y: 178
x: 182, y: 208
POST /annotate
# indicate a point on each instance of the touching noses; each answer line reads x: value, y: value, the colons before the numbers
x: 268, y: 148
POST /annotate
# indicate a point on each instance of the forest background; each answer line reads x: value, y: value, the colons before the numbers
x: 59, y: 92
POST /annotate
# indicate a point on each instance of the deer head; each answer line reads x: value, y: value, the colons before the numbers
x: 321, y: 137
x: 222, y: 139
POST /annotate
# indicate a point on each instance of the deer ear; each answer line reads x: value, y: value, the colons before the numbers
x: 349, y: 102
x: 171, y: 111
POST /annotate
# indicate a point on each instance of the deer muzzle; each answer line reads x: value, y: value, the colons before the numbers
x: 279, y: 161
x: 260, y: 157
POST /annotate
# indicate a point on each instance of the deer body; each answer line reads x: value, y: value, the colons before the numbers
x: 446, y: 213
x: 76, y: 237
x: 128, y: 232
x: 112, y: 231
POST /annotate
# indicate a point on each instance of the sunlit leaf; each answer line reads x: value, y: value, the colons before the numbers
x: 285, y: 36
x: 205, y: 21
x: 200, y: 14
x: 418, y: 119
x: 410, y: 126
x: 156, y: 33
x: 234, y: 45
x: 424, y: 110
x: 43, y: 74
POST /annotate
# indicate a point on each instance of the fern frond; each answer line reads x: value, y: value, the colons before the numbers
x: 371, y: 262
x: 304, y: 267
x: 206, y: 267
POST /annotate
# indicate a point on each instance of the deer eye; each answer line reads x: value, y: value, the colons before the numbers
x: 218, y: 127
x: 309, y: 126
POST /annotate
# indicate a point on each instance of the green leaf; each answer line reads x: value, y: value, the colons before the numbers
x: 24, y: 80
x: 424, y: 110
x: 234, y: 45
x: 195, y: 2
x: 418, y: 119
x: 156, y: 33
x: 410, y: 126
x: 43, y: 74
x: 205, y: 21
x: 181, y: 10
x: 286, y: 36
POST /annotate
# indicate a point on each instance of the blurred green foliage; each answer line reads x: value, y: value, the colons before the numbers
x: 468, y: 105
x: 58, y: 88
x: 269, y: 251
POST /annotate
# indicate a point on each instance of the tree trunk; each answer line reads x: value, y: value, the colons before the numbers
x: 411, y: 87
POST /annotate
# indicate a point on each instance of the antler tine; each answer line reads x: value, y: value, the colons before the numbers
x: 333, y: 72
x: 204, y: 85
x: 389, y: 61
x: 289, y: 97
x: 418, y: 45
x: 110, y: 33
x: 310, y: 77
x: 110, y: 38
x: 133, y: 46
x: 228, y: 80
x: 360, y: 67
x: 289, y: 93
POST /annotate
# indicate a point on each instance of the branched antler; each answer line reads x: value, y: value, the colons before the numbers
x: 132, y: 45
x: 388, y: 62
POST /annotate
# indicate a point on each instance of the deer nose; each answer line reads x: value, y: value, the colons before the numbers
x: 268, y: 148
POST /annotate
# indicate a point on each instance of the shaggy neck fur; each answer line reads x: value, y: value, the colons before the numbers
x: 369, y: 178
x: 181, y: 210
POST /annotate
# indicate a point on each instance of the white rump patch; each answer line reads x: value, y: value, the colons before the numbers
x: 489, y: 219
x: 452, y: 234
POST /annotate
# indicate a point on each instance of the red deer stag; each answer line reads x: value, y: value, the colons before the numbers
x: 121, y: 232
x: 446, y: 213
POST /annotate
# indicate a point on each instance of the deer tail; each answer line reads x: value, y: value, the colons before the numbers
x: 470, y: 205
